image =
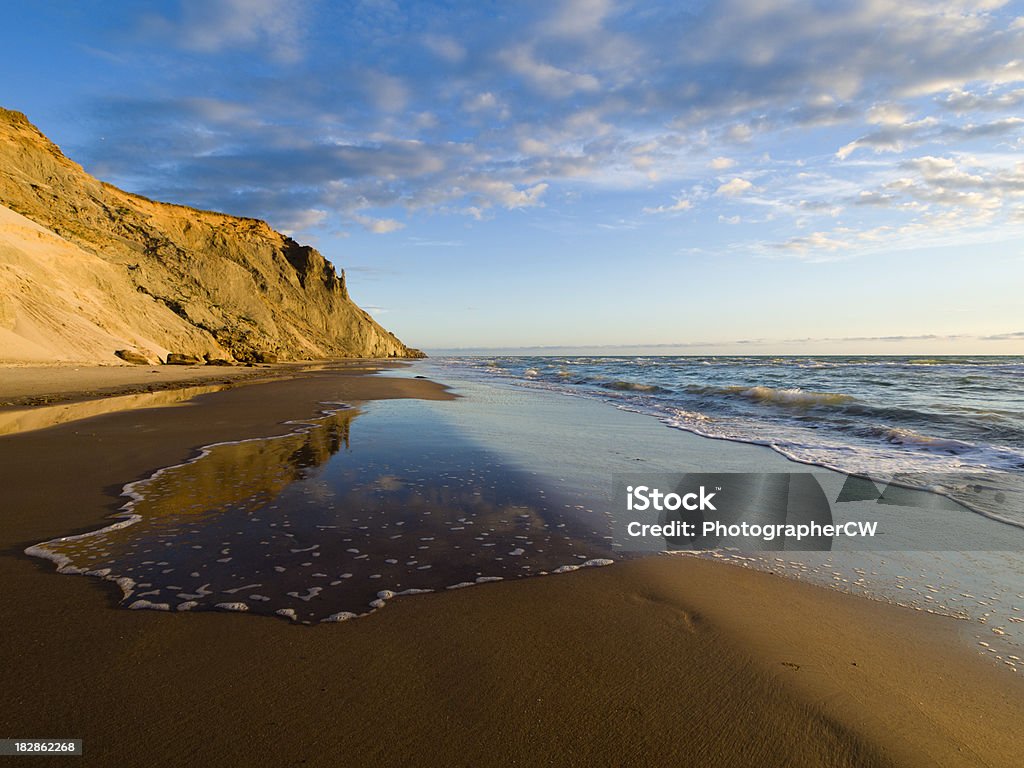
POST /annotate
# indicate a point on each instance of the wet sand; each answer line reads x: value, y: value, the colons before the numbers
x: 664, y: 660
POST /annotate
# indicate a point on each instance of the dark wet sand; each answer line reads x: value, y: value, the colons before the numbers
x: 666, y: 660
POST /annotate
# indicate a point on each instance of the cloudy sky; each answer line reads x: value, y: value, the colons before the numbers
x: 764, y: 176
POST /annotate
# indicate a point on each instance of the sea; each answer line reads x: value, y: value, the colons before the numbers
x: 952, y: 425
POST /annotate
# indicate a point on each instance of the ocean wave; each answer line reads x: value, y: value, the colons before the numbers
x: 908, y: 437
x: 796, y: 397
x: 632, y: 386
x: 792, y: 396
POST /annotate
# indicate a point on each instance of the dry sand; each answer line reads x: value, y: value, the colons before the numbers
x: 33, y: 385
x: 666, y: 660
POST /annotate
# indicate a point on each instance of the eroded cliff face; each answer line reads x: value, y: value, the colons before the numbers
x: 87, y: 269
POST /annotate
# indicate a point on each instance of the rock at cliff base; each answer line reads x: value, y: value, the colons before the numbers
x: 134, y: 357
x: 176, y: 358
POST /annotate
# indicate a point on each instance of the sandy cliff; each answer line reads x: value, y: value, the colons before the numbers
x: 87, y: 269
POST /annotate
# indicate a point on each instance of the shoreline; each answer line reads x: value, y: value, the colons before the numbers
x: 720, y: 640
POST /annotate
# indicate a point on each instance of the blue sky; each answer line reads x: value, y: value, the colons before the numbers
x: 736, y: 176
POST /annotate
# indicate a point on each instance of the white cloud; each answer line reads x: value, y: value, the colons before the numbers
x: 887, y: 114
x: 814, y: 244
x: 578, y: 18
x: 300, y: 221
x: 889, y: 138
x: 739, y: 133
x: 480, y: 102
x: 507, y: 194
x: 377, y: 226
x: 547, y: 78
x: 445, y: 47
x: 534, y: 147
x: 734, y: 187
x: 963, y: 102
x: 944, y: 170
x: 214, y: 26
x: 721, y: 163
x: 680, y: 205
x: 388, y: 93
x: 866, y: 197
x: 426, y: 120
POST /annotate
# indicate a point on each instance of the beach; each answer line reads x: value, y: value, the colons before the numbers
x: 651, y: 660
x: 575, y: 383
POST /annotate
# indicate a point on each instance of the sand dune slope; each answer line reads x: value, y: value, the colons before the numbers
x: 64, y: 304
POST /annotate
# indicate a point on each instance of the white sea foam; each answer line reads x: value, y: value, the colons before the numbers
x: 338, y: 617
x: 235, y: 590
x: 139, y: 605
x: 232, y: 606
x: 203, y: 591
x: 310, y: 594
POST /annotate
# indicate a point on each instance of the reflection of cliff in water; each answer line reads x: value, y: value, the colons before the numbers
x: 300, y: 527
x: 35, y: 417
x: 251, y: 472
